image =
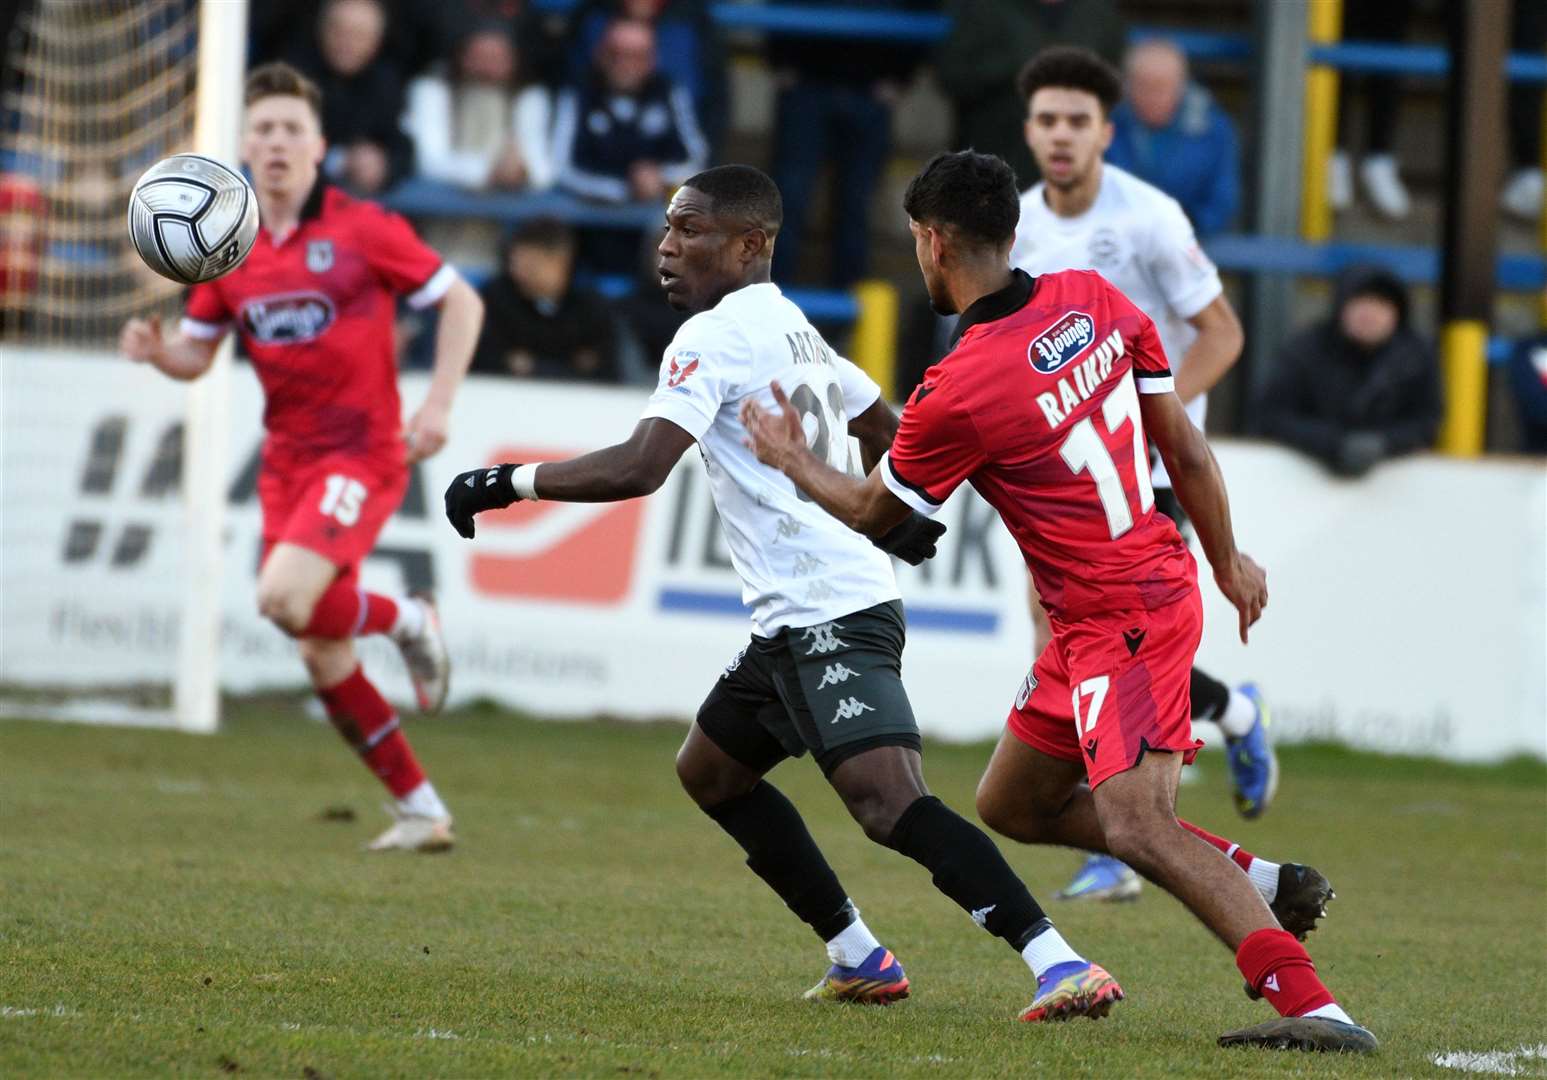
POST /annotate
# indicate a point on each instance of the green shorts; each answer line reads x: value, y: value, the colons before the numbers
x: 834, y: 689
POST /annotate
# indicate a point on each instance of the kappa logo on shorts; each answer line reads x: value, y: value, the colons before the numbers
x: 565, y: 552
x: 835, y: 674
x: 735, y: 663
x: 1072, y: 334
x: 849, y: 708
x: 822, y: 639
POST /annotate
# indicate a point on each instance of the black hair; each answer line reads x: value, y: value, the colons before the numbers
x: 744, y: 192
x: 970, y: 192
x: 1069, y: 67
x: 543, y: 232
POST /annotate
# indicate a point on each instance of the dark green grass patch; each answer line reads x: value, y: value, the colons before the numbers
x: 181, y: 905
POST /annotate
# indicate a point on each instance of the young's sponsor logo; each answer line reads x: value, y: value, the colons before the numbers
x: 289, y: 318
x: 1072, y: 334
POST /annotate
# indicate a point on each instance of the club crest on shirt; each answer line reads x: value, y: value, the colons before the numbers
x: 319, y: 256
x: 682, y: 365
x: 1072, y: 334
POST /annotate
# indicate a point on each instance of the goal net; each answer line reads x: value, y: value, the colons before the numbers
x: 112, y: 479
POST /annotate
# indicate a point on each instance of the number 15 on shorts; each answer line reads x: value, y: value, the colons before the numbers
x: 342, y: 499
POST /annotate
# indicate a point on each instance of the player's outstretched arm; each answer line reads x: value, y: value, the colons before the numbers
x: 864, y: 505
x: 461, y: 317
x: 178, y: 356
x: 1196, y: 479
x: 625, y: 471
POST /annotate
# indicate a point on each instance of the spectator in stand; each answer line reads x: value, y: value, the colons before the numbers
x: 1528, y: 377
x: 539, y: 323
x: 420, y: 33
x: 362, y: 94
x: 989, y: 42
x: 1170, y: 132
x: 1359, y: 386
x: 472, y: 122
x: 627, y: 132
x: 836, y: 97
x: 687, y: 43
x: 1384, y: 22
x: 648, y: 323
x: 1522, y: 194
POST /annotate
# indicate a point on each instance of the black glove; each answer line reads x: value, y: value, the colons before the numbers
x: 913, y: 541
x: 477, y: 490
x: 1358, y: 452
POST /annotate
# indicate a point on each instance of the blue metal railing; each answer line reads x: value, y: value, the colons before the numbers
x: 927, y: 28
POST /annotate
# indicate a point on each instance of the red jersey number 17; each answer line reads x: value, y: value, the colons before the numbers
x: 1086, y: 451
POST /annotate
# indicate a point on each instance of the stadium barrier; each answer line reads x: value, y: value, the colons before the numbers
x: 632, y: 609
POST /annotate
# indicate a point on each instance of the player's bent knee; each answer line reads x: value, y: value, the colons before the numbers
x: 285, y: 608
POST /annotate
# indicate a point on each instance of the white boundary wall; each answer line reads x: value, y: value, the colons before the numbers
x: 1408, y: 613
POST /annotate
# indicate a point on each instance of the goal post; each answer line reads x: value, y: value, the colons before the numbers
x: 113, y: 481
x: 217, y: 128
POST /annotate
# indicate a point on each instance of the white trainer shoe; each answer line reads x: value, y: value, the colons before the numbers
x: 1340, y: 181
x: 1383, y: 186
x: 1522, y: 194
x: 424, y: 654
x: 413, y: 832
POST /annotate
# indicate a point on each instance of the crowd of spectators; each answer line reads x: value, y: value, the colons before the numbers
x: 613, y: 103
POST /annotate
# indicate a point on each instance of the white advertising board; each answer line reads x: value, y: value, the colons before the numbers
x: 1408, y: 612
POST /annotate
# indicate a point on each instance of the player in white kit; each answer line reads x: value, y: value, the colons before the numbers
x: 822, y: 671
x: 1086, y: 214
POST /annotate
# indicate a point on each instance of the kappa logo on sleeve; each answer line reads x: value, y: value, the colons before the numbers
x: 682, y: 365
x: 561, y: 552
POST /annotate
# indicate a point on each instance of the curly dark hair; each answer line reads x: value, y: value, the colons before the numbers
x: 970, y: 192
x: 1071, y: 68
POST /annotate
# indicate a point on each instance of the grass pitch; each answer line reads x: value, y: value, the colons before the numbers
x: 185, y: 905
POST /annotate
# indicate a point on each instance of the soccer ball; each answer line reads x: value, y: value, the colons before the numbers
x: 192, y: 218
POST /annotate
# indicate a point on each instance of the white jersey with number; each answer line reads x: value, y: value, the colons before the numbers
x: 799, y: 565
x: 1140, y: 240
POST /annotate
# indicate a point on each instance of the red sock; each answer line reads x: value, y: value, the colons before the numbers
x: 348, y: 611
x: 1242, y: 857
x: 365, y: 720
x: 1278, y: 967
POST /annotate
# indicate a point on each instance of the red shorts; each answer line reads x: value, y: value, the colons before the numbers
x: 1108, y: 688
x: 336, y: 507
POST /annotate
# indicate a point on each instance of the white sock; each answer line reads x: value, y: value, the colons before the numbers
x: 410, y: 617
x: 1331, y: 1012
x: 853, y: 943
x: 1048, y: 949
x: 423, y: 802
x: 1239, y: 715
x: 1264, y: 875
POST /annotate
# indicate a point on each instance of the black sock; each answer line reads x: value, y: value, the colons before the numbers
x: 1209, y: 696
x: 969, y: 869
x: 781, y: 852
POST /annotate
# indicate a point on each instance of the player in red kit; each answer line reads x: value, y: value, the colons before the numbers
x: 1043, y: 406
x: 314, y: 304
